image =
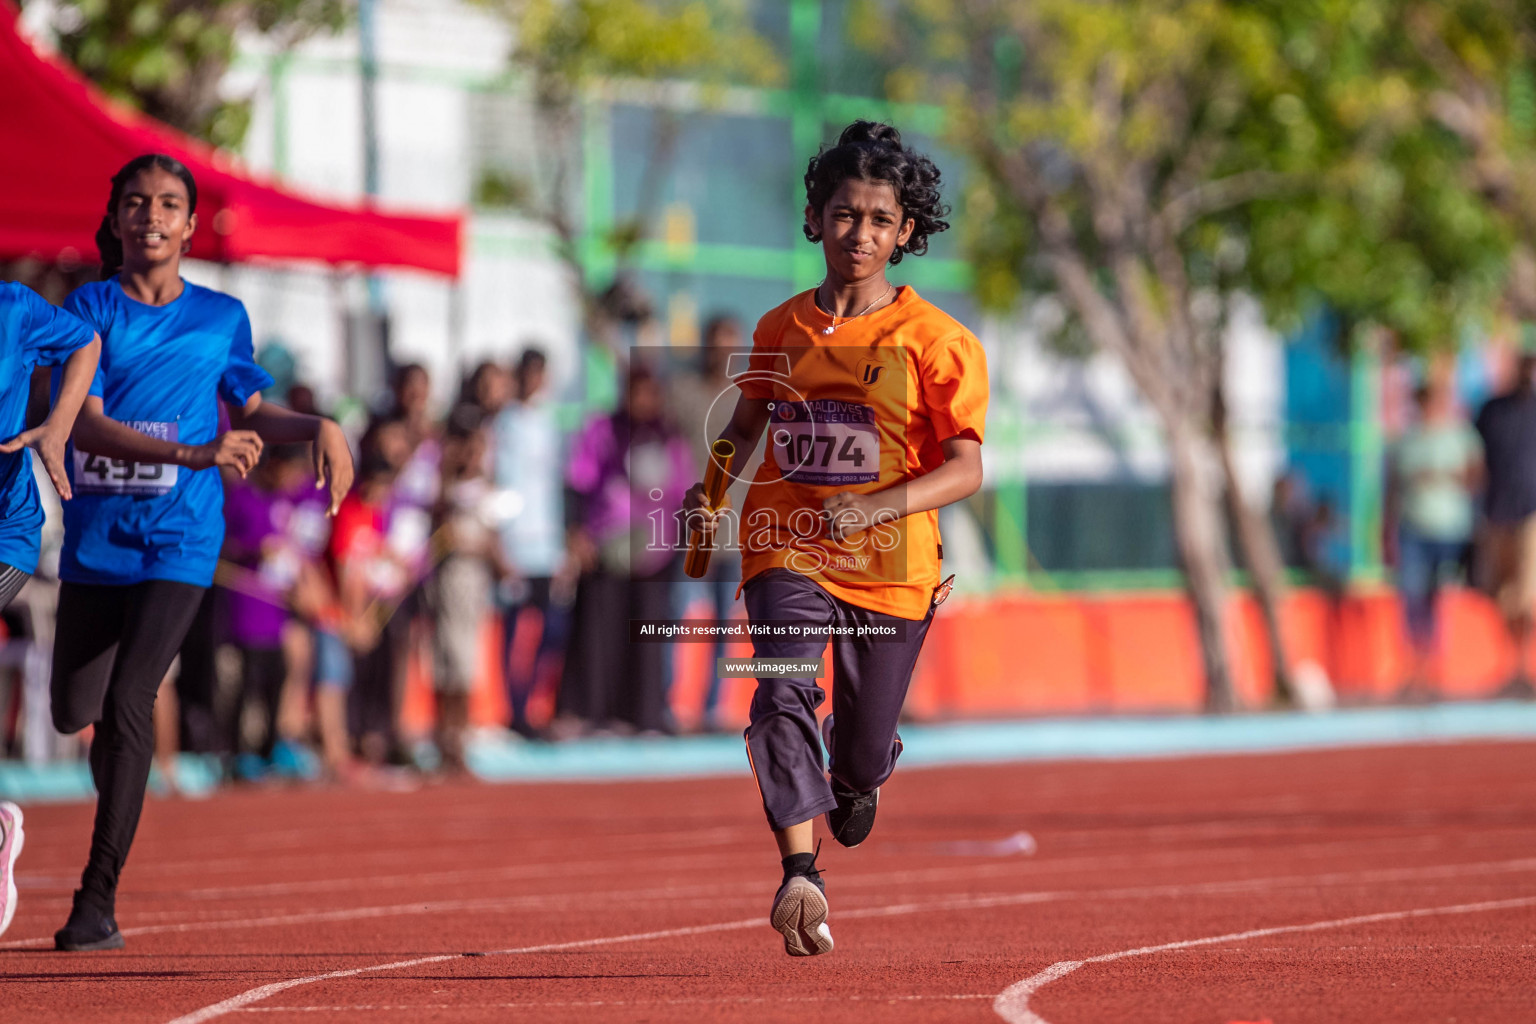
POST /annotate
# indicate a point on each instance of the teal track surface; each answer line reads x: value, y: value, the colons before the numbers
x: 501, y: 758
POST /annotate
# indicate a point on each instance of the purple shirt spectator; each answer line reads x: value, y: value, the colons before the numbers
x: 271, y: 534
x: 631, y: 478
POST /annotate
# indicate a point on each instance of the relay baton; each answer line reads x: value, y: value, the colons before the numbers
x: 701, y: 543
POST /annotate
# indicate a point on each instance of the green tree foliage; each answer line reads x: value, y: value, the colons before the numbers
x: 169, y: 57
x: 1152, y: 162
x: 571, y: 45
x: 1291, y: 150
x: 679, y: 54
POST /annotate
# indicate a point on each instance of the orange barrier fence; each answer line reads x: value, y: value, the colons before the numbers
x: 1027, y: 653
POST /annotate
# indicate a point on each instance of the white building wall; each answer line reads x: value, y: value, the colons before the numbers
x: 432, y: 54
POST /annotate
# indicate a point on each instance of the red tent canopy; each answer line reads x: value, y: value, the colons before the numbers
x: 63, y: 140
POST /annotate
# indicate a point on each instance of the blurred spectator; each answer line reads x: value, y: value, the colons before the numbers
x: 488, y: 388
x: 407, y: 437
x: 259, y: 513
x: 1507, y: 425
x: 462, y: 582
x: 318, y: 614
x: 370, y: 580
x: 301, y: 398
x: 1307, y: 530
x: 703, y: 397
x: 528, y: 469
x: 627, y: 472
x: 1435, y: 469
x: 418, y: 481
x: 704, y: 400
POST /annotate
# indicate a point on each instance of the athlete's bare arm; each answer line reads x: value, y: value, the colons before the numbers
x: 52, y: 435
x: 98, y: 433
x: 333, y: 459
x: 958, y: 478
x: 745, y: 431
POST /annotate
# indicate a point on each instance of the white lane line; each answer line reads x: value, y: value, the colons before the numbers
x: 702, y: 1001
x: 256, y: 995
x: 895, y: 910
x: 240, y: 1002
x: 569, y: 902
x: 1109, y: 864
x: 1012, y: 1004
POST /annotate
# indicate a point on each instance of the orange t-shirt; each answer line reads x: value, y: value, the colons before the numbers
x: 862, y: 409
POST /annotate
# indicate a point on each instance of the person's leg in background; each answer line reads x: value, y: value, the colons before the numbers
x: 402, y: 635
x: 291, y: 757
x: 594, y: 654
x: 1523, y: 606
x: 197, y: 679
x: 370, y: 699
x: 683, y: 594
x: 555, y: 631
x: 1416, y: 582
x: 112, y: 650
x: 168, y: 722
x: 460, y: 598
x: 267, y: 687
x: 722, y: 593
x: 645, y: 691
x: 523, y: 674
x: 333, y: 679
x: 1510, y: 547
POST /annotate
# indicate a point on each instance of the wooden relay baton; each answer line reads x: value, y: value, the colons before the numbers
x: 701, y: 542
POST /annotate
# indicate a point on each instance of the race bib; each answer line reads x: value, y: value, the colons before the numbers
x: 825, y: 442
x: 97, y: 474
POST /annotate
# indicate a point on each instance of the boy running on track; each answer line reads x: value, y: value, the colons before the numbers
x: 877, y: 402
x: 32, y: 332
x: 142, y: 534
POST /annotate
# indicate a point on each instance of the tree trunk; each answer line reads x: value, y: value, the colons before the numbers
x: 1256, y: 540
x: 1197, y: 527
x: 1261, y: 555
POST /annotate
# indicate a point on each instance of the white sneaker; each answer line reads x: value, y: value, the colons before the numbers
x: 11, y: 839
x: 800, y: 915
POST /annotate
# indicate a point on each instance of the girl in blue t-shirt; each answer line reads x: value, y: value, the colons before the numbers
x: 34, y: 333
x: 31, y: 333
x: 143, y: 532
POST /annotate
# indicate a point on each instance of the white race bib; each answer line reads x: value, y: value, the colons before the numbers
x: 97, y: 474
x: 825, y: 442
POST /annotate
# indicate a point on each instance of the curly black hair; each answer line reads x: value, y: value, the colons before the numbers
x: 870, y: 151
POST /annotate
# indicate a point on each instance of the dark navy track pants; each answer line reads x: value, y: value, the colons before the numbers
x: 871, y: 675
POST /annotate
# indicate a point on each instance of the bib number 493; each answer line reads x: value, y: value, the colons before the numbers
x: 97, y: 474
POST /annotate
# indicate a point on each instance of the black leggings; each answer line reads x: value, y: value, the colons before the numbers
x: 112, y: 647
x: 12, y: 580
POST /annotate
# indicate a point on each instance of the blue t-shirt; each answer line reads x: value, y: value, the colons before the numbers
x: 163, y: 370
x: 32, y: 332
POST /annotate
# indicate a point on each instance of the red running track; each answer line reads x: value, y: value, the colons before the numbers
x: 1365, y: 885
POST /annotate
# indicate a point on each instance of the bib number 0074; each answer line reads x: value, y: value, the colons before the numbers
x: 826, y: 443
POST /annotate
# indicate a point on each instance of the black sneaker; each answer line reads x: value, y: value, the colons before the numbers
x: 800, y: 914
x: 87, y: 930
x: 854, y: 815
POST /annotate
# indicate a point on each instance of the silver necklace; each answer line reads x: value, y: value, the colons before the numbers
x: 838, y: 323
